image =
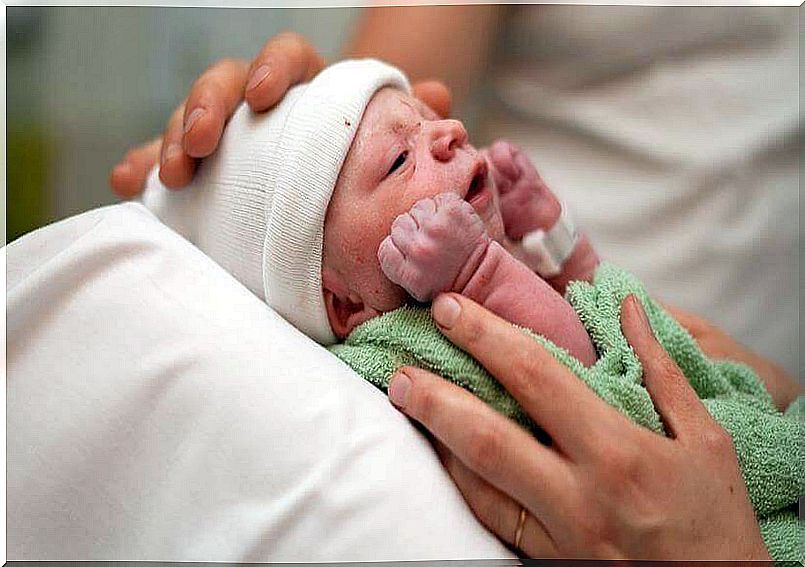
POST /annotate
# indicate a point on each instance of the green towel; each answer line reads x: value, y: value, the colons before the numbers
x: 769, y: 444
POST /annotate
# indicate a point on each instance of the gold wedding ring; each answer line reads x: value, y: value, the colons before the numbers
x: 518, y: 533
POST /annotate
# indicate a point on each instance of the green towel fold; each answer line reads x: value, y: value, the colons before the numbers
x: 769, y: 444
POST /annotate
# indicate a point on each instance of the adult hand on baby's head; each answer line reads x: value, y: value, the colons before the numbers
x: 194, y: 129
x: 436, y: 95
x: 606, y: 488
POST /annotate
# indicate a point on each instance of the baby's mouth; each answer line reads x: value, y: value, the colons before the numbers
x: 478, y: 193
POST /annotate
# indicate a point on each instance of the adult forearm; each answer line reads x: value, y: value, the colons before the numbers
x: 715, y: 343
x: 450, y: 43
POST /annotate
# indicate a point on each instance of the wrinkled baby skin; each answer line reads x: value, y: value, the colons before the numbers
x: 415, y: 179
x: 441, y: 245
x: 401, y: 153
x: 527, y: 204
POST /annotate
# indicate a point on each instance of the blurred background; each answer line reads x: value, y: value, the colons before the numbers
x: 86, y: 84
x: 674, y: 134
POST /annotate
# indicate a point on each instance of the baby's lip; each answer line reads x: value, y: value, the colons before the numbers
x: 478, y: 180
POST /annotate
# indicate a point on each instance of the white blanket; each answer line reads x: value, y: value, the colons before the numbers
x: 157, y: 410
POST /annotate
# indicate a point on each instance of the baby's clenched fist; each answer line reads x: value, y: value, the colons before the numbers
x: 434, y: 247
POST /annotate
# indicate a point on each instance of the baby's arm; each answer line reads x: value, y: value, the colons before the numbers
x: 528, y: 205
x: 442, y: 245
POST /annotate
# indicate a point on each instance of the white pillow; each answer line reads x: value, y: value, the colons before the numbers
x: 157, y: 410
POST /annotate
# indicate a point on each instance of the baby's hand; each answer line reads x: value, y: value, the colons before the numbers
x: 526, y: 202
x: 434, y: 246
x: 528, y: 205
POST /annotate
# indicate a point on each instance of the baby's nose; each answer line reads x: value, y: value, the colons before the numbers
x: 446, y: 137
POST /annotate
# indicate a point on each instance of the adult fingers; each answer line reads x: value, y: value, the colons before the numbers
x: 694, y: 324
x: 213, y: 98
x: 436, y: 95
x: 496, y: 510
x: 542, y: 385
x: 675, y: 399
x: 176, y: 168
x: 129, y: 176
x: 285, y: 60
x: 493, y: 446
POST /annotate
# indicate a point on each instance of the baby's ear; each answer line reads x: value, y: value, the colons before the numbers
x: 345, y: 310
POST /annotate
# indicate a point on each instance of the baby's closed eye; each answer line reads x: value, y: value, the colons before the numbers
x: 398, y: 163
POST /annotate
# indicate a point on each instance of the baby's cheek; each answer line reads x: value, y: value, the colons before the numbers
x: 430, y: 183
x: 378, y: 290
x: 366, y: 275
x: 366, y: 241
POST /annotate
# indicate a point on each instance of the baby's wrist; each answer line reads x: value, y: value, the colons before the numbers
x: 473, y: 263
x: 579, y: 266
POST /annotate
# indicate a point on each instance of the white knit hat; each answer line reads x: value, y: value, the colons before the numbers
x: 257, y: 205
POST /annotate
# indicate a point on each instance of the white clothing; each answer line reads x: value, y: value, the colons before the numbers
x: 257, y: 205
x: 158, y: 410
x: 672, y: 133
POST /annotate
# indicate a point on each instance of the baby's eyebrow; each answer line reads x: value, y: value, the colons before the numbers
x: 397, y: 126
x: 421, y: 108
x: 416, y: 106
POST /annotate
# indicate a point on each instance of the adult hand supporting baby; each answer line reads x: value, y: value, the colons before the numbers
x: 606, y: 488
x: 717, y: 344
x: 195, y: 127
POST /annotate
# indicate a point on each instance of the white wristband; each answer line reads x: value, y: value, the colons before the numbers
x: 548, y: 251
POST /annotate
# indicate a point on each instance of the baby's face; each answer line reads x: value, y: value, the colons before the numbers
x: 402, y: 152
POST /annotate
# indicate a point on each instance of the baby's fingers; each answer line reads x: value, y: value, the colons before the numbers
x: 501, y: 155
x: 423, y: 210
x: 390, y: 258
x: 404, y: 231
x: 524, y: 165
x: 448, y: 199
x: 398, y: 268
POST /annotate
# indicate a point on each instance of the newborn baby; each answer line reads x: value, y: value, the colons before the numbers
x: 352, y: 198
x: 439, y: 216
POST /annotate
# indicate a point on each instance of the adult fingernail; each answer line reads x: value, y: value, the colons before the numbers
x: 638, y: 310
x: 446, y: 311
x: 192, y: 118
x: 173, y: 150
x: 258, y: 76
x: 399, y: 389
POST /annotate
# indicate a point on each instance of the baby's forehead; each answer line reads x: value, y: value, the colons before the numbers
x: 390, y: 104
x: 387, y: 102
x: 389, y: 111
x: 385, y: 111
